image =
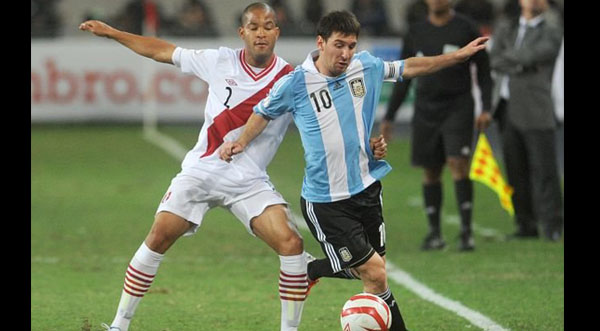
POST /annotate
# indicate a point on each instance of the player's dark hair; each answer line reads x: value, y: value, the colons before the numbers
x: 342, y: 21
x: 256, y: 5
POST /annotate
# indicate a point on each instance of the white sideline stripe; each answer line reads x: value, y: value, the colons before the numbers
x: 403, y: 278
x: 168, y: 144
x: 400, y: 276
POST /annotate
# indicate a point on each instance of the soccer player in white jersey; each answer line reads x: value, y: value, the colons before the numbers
x: 333, y: 96
x: 238, y: 79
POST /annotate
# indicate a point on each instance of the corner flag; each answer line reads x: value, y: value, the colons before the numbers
x: 484, y: 169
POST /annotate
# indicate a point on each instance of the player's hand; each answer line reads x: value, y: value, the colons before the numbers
x: 379, y: 147
x: 98, y: 28
x: 473, y: 47
x: 483, y: 121
x: 386, y: 129
x: 229, y: 149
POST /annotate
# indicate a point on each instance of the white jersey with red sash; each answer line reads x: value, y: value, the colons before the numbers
x: 234, y: 88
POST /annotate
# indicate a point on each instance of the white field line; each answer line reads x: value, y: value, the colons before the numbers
x: 168, y: 144
x: 474, y: 317
x: 400, y: 276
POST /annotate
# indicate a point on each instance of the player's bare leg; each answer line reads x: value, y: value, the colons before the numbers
x: 374, y: 277
x: 274, y: 228
x: 432, y: 197
x: 463, y: 188
x: 373, y: 274
x: 166, y: 229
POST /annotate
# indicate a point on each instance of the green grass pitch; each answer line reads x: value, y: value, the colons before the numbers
x: 94, y: 190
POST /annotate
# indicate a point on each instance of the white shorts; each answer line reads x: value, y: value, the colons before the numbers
x: 189, y: 198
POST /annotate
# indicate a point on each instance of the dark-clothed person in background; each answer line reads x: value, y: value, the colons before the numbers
x: 481, y: 11
x: 194, y: 19
x: 313, y: 11
x: 442, y: 126
x: 46, y: 21
x: 372, y: 16
x: 285, y: 19
x: 141, y: 17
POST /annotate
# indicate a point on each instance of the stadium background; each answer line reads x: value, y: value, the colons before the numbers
x: 84, y: 89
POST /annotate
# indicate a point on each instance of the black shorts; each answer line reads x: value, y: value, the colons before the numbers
x: 350, y: 231
x: 441, y: 130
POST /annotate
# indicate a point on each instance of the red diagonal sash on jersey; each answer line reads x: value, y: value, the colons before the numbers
x: 233, y: 118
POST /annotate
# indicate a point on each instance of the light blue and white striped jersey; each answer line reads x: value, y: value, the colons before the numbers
x: 335, y: 117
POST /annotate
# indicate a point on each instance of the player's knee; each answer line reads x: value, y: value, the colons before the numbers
x: 291, y: 244
x: 373, y: 273
x: 159, y: 240
x: 167, y: 228
x: 155, y: 241
x: 375, y: 280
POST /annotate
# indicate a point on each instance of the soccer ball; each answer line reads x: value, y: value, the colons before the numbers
x: 365, y: 312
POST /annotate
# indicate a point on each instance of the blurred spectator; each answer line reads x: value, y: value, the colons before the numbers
x: 285, y: 20
x: 556, y: 13
x: 193, y: 19
x: 523, y: 56
x: 510, y: 10
x: 415, y: 12
x: 372, y: 17
x: 45, y: 21
x: 313, y: 10
x: 140, y: 17
x: 481, y: 11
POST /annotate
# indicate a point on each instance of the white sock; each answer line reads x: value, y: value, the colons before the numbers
x: 292, y: 290
x: 138, y: 278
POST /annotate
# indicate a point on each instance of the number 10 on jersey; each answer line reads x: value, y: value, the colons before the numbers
x: 321, y: 100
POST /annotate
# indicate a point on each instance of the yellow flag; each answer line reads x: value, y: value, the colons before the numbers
x: 484, y: 169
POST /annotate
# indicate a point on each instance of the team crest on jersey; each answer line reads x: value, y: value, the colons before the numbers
x: 345, y: 254
x: 231, y: 82
x: 357, y: 86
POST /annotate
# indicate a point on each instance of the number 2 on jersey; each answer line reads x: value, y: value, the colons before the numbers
x: 229, y: 96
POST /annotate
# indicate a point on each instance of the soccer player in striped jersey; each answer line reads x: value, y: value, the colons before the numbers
x: 238, y: 79
x: 333, y: 97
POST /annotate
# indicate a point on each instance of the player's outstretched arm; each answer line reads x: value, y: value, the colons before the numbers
x: 150, y: 47
x: 255, y: 125
x: 420, y: 66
